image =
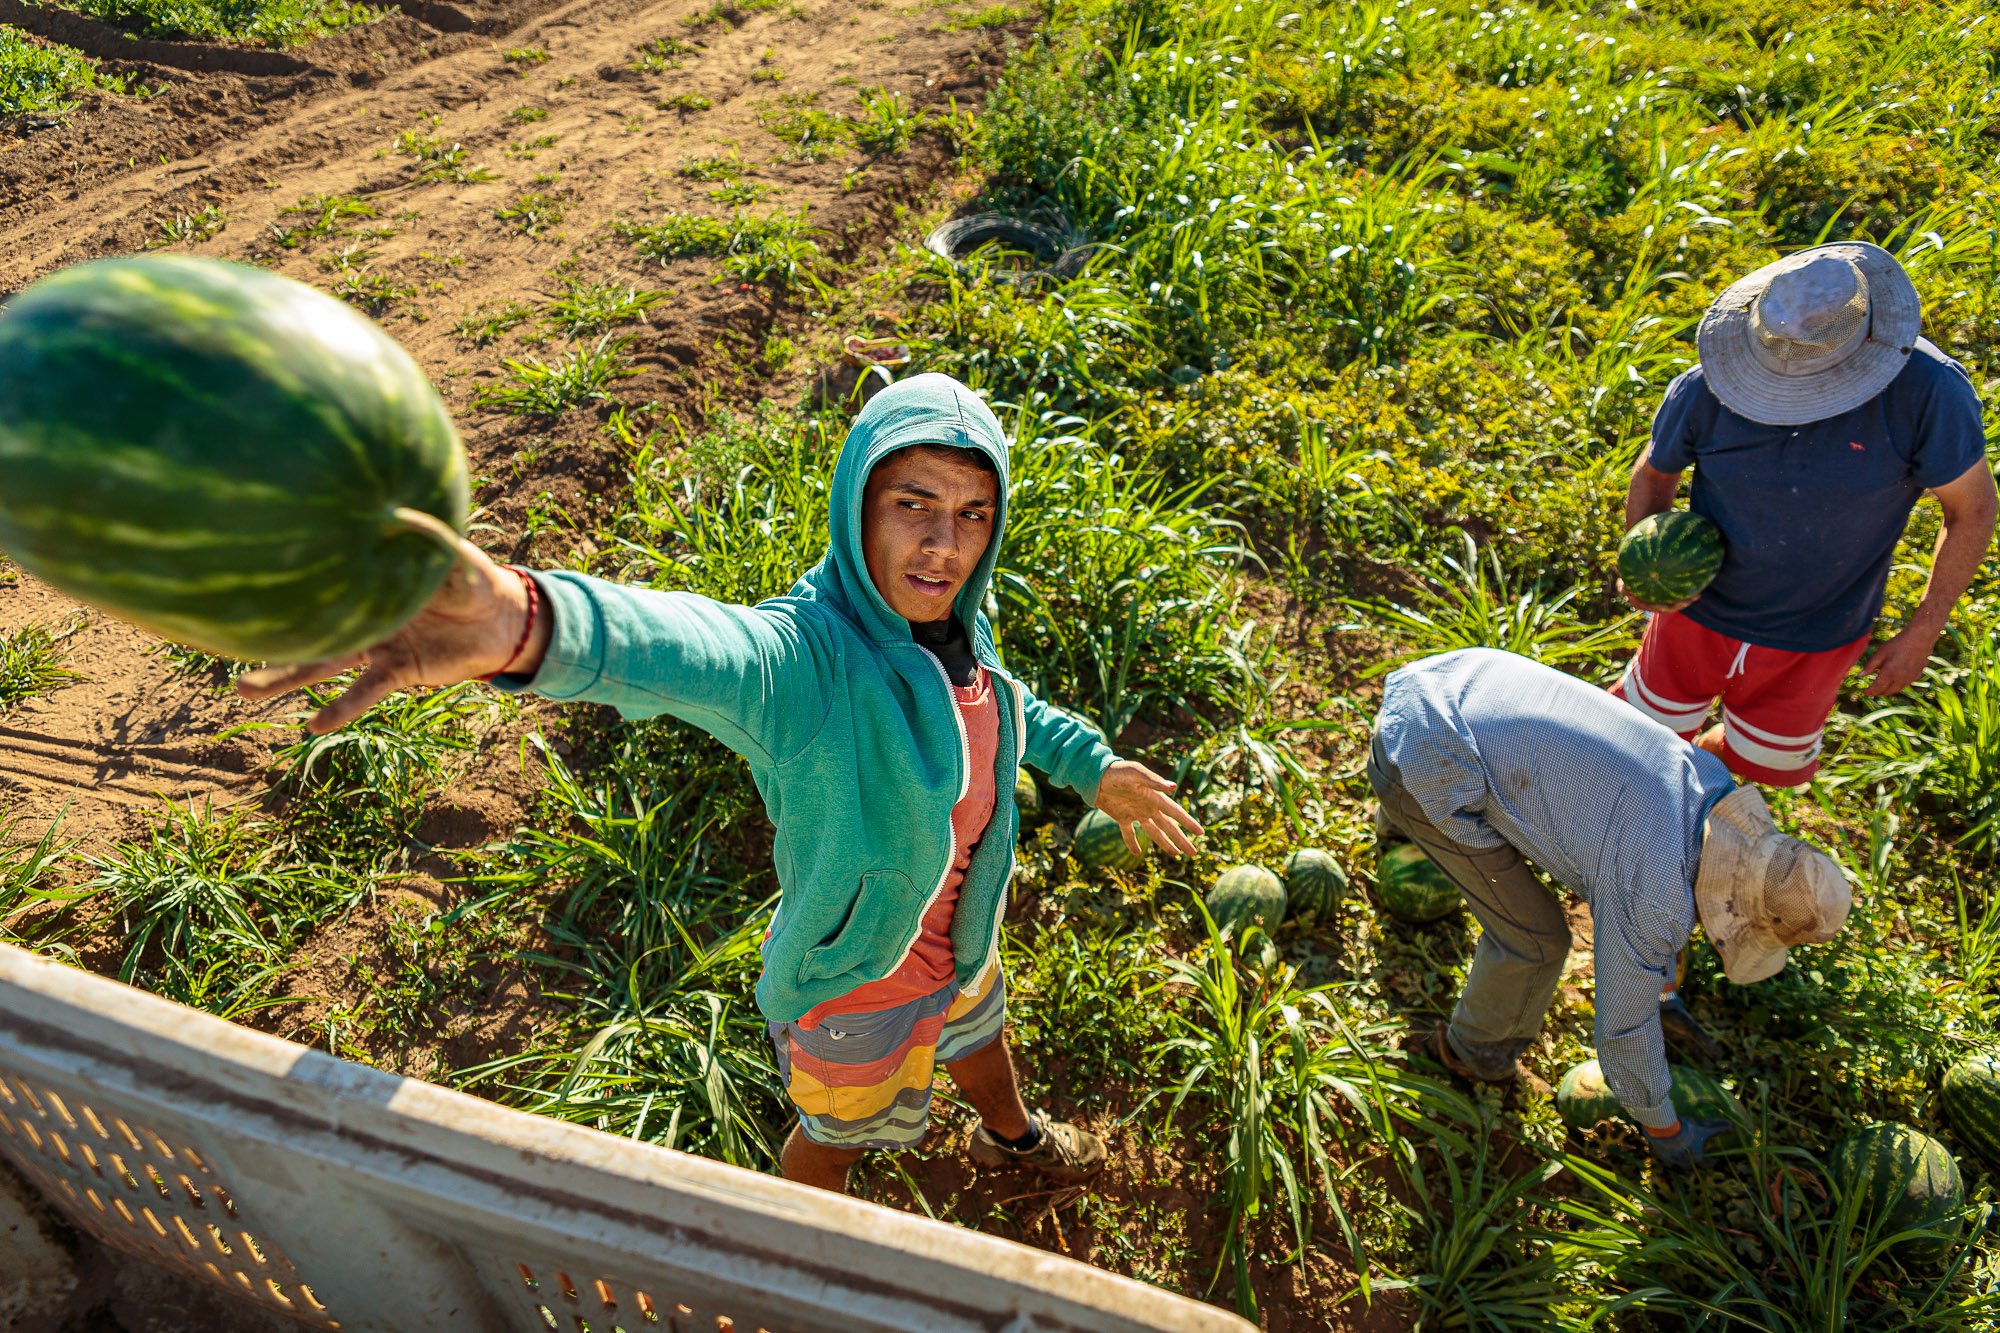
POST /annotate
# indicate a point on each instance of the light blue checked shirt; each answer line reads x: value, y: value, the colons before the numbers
x: 1496, y: 748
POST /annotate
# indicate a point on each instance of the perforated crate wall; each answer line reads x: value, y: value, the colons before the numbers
x: 335, y: 1196
x: 137, y: 1192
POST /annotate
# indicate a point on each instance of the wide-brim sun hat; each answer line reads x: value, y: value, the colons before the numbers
x: 1811, y: 336
x: 1758, y: 891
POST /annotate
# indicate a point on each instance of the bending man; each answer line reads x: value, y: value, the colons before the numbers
x: 1488, y: 761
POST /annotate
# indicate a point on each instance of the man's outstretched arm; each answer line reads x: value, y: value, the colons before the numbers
x: 1970, y: 506
x: 748, y: 677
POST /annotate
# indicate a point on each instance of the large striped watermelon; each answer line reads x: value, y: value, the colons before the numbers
x: 1314, y: 885
x: 1247, y: 895
x: 1099, y: 844
x: 1584, y: 1100
x: 1971, y: 1096
x: 1905, y: 1178
x: 1668, y: 558
x: 1411, y: 886
x: 223, y: 456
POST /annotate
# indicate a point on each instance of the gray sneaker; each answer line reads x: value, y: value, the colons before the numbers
x: 1065, y: 1153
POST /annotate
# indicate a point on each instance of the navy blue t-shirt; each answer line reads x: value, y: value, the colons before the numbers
x: 1812, y: 514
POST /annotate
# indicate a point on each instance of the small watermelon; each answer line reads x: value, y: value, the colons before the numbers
x: 1314, y: 885
x: 1027, y: 796
x: 1583, y: 1099
x: 1245, y: 896
x: 1668, y: 558
x: 1411, y: 886
x: 1696, y: 1094
x: 1905, y: 1178
x: 1099, y: 844
x: 1971, y: 1096
x: 223, y: 456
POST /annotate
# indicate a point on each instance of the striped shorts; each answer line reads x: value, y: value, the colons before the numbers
x: 864, y: 1080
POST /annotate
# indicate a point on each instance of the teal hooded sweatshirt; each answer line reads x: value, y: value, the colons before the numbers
x: 849, y: 726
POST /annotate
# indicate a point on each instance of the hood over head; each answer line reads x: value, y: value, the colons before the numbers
x: 924, y: 409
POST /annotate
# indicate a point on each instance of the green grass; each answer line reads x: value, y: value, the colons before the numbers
x: 534, y: 212
x: 33, y: 661
x: 189, y: 228
x: 533, y: 386
x: 44, y: 79
x: 278, y: 23
x: 209, y: 908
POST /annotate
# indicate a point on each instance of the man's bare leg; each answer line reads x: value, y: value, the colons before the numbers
x: 815, y: 1164
x: 986, y: 1077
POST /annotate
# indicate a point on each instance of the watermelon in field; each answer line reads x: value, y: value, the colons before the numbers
x: 224, y: 457
x: 1584, y: 1100
x: 1971, y: 1096
x: 1905, y: 1179
x: 1027, y: 796
x: 1411, y: 886
x: 1247, y: 895
x: 1099, y: 844
x: 1696, y: 1094
x: 1668, y: 558
x: 1314, y: 885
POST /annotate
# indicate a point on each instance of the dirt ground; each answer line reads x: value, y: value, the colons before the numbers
x: 254, y: 133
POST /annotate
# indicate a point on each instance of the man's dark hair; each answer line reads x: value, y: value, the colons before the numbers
x: 976, y: 457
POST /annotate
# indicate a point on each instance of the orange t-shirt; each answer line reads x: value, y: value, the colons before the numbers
x: 930, y: 965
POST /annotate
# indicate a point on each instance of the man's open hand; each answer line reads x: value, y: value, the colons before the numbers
x: 1898, y: 662
x: 1135, y: 795
x: 468, y: 631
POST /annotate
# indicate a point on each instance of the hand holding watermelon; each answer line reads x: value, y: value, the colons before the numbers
x: 476, y: 625
x: 1666, y: 560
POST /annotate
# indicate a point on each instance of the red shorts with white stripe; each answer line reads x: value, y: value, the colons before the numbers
x: 1774, y: 703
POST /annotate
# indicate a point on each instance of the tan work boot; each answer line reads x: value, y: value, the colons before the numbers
x: 1065, y: 1153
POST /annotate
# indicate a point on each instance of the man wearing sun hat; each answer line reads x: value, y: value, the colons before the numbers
x: 1490, y: 762
x: 1815, y: 420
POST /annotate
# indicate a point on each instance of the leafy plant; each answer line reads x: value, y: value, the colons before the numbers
x: 32, y: 661
x: 1480, y: 608
x: 1284, y: 1073
x: 534, y: 387
x: 357, y: 792
x: 190, y: 228
x: 534, y: 212
x: 887, y: 124
x: 585, y: 308
x: 207, y: 907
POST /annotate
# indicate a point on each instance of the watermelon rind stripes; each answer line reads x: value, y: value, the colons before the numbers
x: 1971, y: 1097
x: 1669, y: 558
x: 1906, y: 1180
x: 1314, y: 885
x: 1411, y: 887
x: 1247, y: 895
x: 1099, y: 844
x: 218, y: 454
x: 1583, y: 1099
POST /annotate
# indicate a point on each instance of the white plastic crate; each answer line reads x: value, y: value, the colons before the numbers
x: 342, y: 1197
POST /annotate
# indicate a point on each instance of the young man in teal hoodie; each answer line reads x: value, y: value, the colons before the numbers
x: 883, y: 734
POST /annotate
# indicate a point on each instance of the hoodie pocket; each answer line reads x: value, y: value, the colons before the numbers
x: 883, y: 912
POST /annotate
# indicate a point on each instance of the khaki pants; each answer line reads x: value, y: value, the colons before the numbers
x: 1523, y: 936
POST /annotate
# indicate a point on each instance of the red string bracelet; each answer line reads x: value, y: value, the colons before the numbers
x: 527, y: 629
